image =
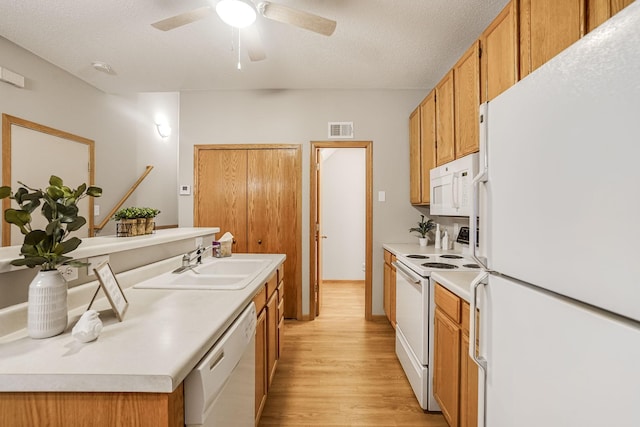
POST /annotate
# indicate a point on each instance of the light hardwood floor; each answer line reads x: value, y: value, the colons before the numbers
x: 340, y: 370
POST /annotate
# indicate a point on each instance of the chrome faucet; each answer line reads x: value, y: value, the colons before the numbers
x: 189, y: 257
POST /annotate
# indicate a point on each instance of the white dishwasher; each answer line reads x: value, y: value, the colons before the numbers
x: 220, y: 391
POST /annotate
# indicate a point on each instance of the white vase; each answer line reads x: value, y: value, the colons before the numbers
x: 423, y: 241
x: 47, y: 306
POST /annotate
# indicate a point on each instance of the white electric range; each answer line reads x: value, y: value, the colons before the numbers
x: 415, y: 310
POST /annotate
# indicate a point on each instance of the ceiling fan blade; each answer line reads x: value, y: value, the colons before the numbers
x: 288, y: 15
x: 183, y: 19
x: 251, y: 39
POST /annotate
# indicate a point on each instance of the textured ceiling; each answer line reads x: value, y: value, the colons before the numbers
x: 381, y: 44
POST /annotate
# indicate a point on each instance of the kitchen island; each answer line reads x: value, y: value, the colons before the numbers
x: 134, y: 369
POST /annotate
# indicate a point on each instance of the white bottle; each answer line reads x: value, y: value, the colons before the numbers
x: 437, y: 243
x: 445, y: 240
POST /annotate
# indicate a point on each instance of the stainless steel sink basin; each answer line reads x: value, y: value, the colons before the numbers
x: 212, y: 274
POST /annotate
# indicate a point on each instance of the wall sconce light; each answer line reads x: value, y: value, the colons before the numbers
x: 164, y: 130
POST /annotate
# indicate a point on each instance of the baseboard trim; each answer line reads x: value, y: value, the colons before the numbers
x: 342, y: 282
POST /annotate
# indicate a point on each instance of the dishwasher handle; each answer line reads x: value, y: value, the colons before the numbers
x: 408, y: 275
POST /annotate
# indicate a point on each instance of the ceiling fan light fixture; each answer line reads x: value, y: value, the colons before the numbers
x: 237, y: 13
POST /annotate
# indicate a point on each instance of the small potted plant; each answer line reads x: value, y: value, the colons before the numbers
x: 47, y: 249
x: 149, y: 215
x: 423, y: 228
x: 127, y: 222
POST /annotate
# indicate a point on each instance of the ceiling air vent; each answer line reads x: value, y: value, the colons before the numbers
x: 340, y: 129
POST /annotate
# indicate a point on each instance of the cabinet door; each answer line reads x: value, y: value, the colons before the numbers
x: 499, y: 60
x: 468, y: 386
x: 546, y: 28
x: 272, y: 199
x: 387, y: 290
x: 446, y: 361
x: 599, y: 11
x: 427, y: 143
x: 221, y: 192
x: 445, y: 133
x: 466, y: 74
x: 261, y: 363
x: 392, y: 294
x: 272, y: 336
x: 414, y: 158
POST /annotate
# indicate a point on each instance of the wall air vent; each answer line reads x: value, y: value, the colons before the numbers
x: 341, y: 130
x: 12, y: 78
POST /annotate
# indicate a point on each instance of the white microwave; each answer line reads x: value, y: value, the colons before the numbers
x: 451, y: 186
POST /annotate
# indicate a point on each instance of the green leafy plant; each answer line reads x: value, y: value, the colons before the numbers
x: 135, y: 213
x: 423, y: 227
x: 47, y: 248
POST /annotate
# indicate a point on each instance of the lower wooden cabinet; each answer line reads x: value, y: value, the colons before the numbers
x: 269, y: 303
x: 390, y: 287
x: 98, y: 409
x: 455, y: 382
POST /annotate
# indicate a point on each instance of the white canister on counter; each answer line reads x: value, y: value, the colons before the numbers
x: 445, y: 240
x: 437, y: 244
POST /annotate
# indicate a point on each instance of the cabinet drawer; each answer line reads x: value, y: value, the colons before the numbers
x: 387, y: 257
x: 280, y: 273
x: 448, y: 302
x: 272, y: 284
x: 260, y: 300
x: 280, y: 291
x: 465, y: 317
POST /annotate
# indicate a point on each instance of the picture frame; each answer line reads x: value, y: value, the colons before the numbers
x: 109, y: 284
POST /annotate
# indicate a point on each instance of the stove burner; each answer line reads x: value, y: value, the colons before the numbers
x: 471, y: 266
x: 451, y: 256
x: 417, y: 256
x: 439, y: 265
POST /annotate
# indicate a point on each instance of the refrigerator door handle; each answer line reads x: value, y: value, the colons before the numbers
x: 473, y: 334
x: 481, y: 177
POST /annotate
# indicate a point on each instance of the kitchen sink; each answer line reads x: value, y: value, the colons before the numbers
x: 212, y: 274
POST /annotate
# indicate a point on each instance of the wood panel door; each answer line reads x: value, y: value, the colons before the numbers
x: 546, y: 28
x: 273, y: 187
x: 221, y: 193
x: 466, y: 75
x: 255, y: 192
x: 427, y: 144
x: 445, y: 128
x: 500, y: 53
x: 415, y: 193
x: 599, y: 11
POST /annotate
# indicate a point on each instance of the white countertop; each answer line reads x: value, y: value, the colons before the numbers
x: 164, y: 335
x: 408, y: 248
x: 93, y: 246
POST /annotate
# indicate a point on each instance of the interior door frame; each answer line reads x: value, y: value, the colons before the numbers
x: 313, y: 232
x: 8, y: 122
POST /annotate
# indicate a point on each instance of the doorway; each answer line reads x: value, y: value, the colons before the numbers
x: 317, y: 240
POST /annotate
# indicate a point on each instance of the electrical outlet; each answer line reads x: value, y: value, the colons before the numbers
x: 94, y: 262
x: 69, y: 273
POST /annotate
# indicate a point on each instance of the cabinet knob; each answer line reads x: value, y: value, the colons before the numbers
x: 259, y: 242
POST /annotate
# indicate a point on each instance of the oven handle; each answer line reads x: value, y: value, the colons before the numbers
x: 400, y: 268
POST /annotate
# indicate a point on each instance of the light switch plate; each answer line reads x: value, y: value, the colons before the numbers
x: 94, y: 262
x: 382, y: 196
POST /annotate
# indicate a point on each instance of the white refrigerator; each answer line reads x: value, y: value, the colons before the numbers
x: 558, y: 197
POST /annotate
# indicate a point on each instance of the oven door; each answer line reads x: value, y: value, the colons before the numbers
x: 412, y: 310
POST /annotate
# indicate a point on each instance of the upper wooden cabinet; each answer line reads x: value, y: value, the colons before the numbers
x: 500, y: 60
x: 422, y: 149
x: 546, y: 28
x: 466, y: 75
x: 414, y: 157
x: 599, y: 11
x: 445, y: 116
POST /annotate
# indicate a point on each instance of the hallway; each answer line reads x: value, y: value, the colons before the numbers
x: 340, y: 370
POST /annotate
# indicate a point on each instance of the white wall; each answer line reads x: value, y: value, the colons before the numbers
x: 343, y: 196
x: 300, y: 116
x: 121, y: 126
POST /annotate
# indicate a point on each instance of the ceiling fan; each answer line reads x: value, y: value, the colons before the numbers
x: 242, y: 13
